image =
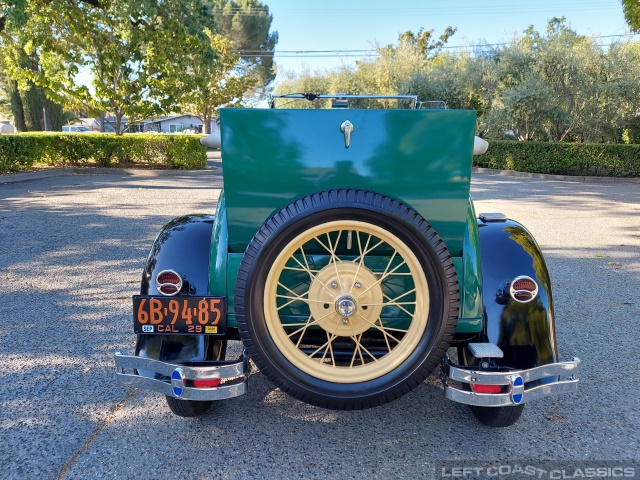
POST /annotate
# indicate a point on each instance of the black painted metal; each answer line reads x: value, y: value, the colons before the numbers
x: 524, y: 331
x: 183, y: 245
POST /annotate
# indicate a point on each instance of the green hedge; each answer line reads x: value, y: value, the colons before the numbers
x: 25, y: 150
x: 586, y: 159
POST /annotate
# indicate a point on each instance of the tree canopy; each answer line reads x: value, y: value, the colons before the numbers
x: 137, y: 52
x: 552, y: 86
x: 631, y: 9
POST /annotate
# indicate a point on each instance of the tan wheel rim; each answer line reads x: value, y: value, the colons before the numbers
x: 346, y: 300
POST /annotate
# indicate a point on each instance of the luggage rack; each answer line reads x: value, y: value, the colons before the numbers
x: 340, y: 100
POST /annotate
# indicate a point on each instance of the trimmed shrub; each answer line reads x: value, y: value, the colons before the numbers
x: 585, y: 159
x: 25, y: 150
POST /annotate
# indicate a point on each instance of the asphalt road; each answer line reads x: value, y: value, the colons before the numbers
x: 71, y: 252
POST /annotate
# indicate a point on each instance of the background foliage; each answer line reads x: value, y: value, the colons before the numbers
x: 553, y: 86
x: 140, y: 55
x: 584, y: 159
x: 22, y: 152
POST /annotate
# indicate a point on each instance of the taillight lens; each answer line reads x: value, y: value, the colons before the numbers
x: 168, y: 282
x: 208, y: 383
x: 486, y: 388
x: 523, y: 289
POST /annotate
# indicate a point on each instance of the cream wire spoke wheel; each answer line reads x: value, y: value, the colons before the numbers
x: 346, y: 299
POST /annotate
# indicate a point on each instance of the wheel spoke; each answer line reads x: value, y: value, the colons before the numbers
x: 356, y: 350
x: 293, y: 299
x: 304, y: 256
x: 360, y: 348
x: 301, y: 330
x: 399, y: 305
x: 330, y: 338
x: 366, y: 250
x: 305, y: 268
x: 301, y: 270
x: 383, y: 329
x: 313, y: 277
x: 384, y: 275
x: 332, y: 251
x: 360, y: 259
x: 386, y: 339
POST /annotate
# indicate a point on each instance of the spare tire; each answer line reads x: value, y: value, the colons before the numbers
x: 346, y: 299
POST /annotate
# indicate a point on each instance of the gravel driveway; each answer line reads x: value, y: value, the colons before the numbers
x: 71, y: 252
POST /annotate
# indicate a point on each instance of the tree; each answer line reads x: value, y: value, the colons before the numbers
x: 552, y: 87
x: 31, y: 106
x: 631, y: 9
x: 133, y: 48
x: 212, y: 79
x: 247, y: 23
x: 424, y: 41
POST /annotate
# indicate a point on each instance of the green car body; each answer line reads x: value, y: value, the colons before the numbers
x: 272, y: 157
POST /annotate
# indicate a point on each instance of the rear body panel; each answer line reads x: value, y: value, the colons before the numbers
x: 272, y: 157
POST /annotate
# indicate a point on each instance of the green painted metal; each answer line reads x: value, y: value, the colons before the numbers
x: 420, y: 157
x: 469, y: 276
x: 219, y: 250
x: 224, y: 270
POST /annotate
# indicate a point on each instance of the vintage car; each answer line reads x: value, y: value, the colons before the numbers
x: 346, y: 255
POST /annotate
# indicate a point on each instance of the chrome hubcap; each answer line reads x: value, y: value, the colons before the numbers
x: 346, y: 306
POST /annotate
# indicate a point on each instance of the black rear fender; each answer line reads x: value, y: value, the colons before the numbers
x: 524, y: 331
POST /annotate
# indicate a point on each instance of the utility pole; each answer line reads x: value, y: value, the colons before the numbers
x: 44, y: 116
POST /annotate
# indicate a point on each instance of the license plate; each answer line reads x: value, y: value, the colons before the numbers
x: 180, y: 315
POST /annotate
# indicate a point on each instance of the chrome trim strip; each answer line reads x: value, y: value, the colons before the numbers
x: 567, y: 382
x: 234, y: 374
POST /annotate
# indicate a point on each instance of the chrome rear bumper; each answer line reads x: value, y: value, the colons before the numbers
x: 178, y: 380
x: 556, y: 379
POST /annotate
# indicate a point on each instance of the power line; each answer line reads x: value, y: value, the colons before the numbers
x: 372, y: 52
x: 518, y: 7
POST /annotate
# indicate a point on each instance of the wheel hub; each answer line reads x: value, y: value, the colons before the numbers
x: 346, y: 305
x: 345, y: 299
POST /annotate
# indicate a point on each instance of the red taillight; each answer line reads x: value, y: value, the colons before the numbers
x: 169, y: 277
x: 523, y: 289
x: 208, y: 383
x: 486, y: 388
x: 168, y: 289
x: 168, y: 282
x: 525, y: 284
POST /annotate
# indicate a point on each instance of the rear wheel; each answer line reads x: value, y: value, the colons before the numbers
x: 193, y: 408
x: 497, y: 417
x: 346, y: 299
x: 188, y: 408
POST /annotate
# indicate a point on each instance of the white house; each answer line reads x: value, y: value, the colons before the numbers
x: 168, y: 124
x: 176, y: 124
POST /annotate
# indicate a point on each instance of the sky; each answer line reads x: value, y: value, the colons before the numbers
x: 334, y: 29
